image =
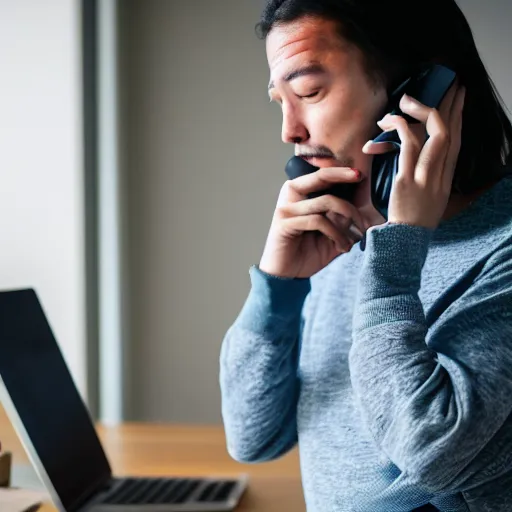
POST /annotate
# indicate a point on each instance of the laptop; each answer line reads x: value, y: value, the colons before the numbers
x: 55, y: 428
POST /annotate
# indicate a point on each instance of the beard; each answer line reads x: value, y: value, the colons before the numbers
x: 342, y: 157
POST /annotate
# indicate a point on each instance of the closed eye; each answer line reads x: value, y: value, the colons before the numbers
x: 312, y: 95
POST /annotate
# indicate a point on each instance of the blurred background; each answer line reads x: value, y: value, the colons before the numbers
x: 140, y: 163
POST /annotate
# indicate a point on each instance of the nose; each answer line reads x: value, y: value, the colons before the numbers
x: 293, y: 131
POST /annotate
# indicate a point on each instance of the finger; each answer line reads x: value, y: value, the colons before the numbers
x: 347, y: 226
x: 415, y: 108
x: 378, y: 148
x: 420, y: 111
x: 323, y: 179
x: 322, y: 205
x: 431, y: 161
x: 446, y: 106
x: 411, y: 143
x: 420, y: 132
x: 297, y: 225
x: 455, y: 138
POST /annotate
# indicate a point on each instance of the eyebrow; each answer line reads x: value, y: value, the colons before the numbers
x: 311, y: 69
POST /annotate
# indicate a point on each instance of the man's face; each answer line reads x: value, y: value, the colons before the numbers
x: 329, y: 105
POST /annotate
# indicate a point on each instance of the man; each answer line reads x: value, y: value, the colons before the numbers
x: 391, y: 367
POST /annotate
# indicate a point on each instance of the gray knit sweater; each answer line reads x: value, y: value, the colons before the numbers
x: 391, y: 368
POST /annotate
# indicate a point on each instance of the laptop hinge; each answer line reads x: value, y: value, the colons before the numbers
x: 86, y: 496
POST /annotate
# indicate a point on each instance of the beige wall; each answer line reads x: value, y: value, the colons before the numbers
x: 41, y: 170
x: 204, y: 163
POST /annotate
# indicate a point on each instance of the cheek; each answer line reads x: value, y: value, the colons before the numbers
x: 348, y: 115
x: 363, y: 103
x: 341, y: 122
x: 329, y: 120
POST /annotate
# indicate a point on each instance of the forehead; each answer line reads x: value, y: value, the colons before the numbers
x: 307, y: 38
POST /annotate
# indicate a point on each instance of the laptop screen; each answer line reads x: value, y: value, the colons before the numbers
x: 46, y: 399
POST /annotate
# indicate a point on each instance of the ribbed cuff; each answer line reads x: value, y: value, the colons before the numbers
x: 274, y: 303
x: 391, y: 275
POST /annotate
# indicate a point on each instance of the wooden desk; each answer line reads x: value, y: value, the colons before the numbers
x: 168, y: 450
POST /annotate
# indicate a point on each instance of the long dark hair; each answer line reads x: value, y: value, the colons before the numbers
x: 395, y: 40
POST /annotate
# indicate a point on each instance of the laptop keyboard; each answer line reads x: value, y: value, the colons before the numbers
x: 134, y: 491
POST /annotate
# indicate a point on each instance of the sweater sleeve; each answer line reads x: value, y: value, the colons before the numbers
x: 258, y: 369
x: 432, y: 399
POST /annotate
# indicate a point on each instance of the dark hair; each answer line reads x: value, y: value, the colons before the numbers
x: 395, y: 41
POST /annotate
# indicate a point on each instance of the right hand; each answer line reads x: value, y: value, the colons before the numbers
x: 307, y: 234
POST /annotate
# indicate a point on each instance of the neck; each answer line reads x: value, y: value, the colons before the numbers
x: 459, y: 203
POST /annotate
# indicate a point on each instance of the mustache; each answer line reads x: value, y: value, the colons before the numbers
x: 318, y: 152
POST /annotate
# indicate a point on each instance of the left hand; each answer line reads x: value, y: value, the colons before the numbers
x: 422, y: 187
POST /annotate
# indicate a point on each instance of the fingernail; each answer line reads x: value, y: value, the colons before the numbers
x: 411, y: 99
x: 355, y: 232
x: 367, y: 145
x: 356, y: 172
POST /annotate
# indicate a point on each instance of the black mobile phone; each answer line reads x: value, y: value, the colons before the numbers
x: 429, y: 86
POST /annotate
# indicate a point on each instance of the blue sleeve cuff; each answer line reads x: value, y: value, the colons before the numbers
x: 274, y: 304
x: 391, y: 275
x: 397, y: 250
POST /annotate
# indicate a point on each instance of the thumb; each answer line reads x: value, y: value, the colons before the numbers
x: 378, y: 148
